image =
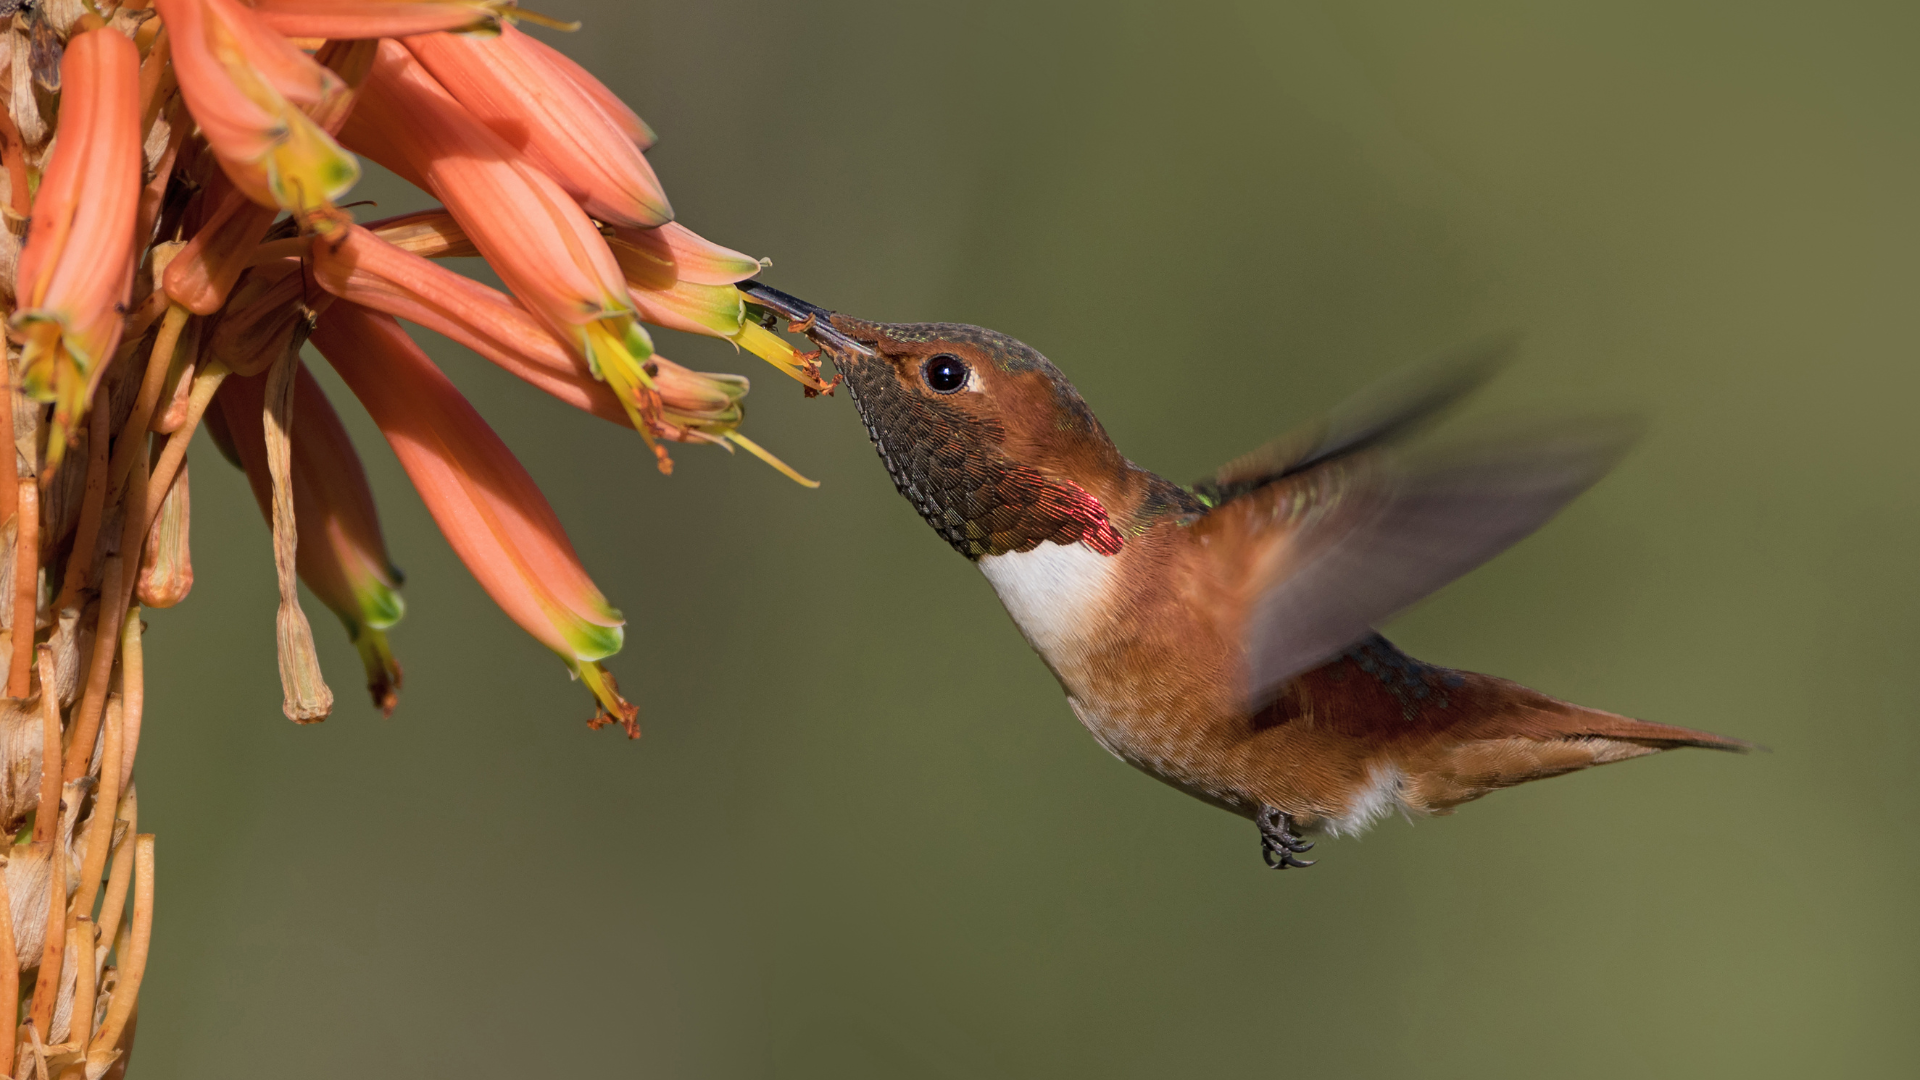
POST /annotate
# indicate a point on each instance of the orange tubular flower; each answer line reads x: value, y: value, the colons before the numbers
x: 342, y: 555
x: 497, y: 521
x: 343, y: 19
x: 356, y: 264
x: 244, y: 85
x: 543, y: 246
x: 542, y: 110
x: 76, y: 271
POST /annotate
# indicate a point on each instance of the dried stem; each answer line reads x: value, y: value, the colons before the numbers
x: 115, y: 904
x: 9, y: 970
x: 47, y: 818
x: 133, y: 965
x: 106, y: 802
x: 154, y: 381
x: 15, y: 153
x: 92, y: 504
x: 133, y: 689
x: 306, y: 696
x: 106, y: 638
x: 205, y: 383
x: 80, y: 1015
x: 46, y: 989
x: 26, y: 583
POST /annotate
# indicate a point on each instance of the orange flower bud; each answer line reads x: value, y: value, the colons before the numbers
x: 76, y: 272
x: 354, y: 264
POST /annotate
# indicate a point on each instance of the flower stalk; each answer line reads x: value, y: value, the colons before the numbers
x: 177, y: 168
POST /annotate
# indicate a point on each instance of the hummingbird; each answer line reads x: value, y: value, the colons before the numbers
x: 1219, y: 636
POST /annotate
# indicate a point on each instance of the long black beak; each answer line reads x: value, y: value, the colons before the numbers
x: 814, y: 321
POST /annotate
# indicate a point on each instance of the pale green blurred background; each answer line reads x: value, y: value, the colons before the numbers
x: 864, y: 836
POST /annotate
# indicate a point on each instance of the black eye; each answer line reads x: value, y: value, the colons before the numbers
x: 946, y: 373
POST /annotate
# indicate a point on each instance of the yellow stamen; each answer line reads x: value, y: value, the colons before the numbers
x: 786, y: 470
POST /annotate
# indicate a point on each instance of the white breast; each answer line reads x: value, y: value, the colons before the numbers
x: 1053, y: 593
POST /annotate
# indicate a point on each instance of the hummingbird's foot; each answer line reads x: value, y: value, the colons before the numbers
x: 1278, y: 844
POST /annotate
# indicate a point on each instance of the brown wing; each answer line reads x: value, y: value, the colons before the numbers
x: 1388, y: 411
x: 1324, y: 554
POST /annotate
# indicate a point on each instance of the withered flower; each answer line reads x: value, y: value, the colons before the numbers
x: 342, y: 555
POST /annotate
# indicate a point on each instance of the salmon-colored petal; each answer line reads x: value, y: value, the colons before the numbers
x: 713, y: 310
x: 430, y: 234
x: 540, y: 243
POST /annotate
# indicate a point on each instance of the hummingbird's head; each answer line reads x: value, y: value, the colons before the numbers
x: 985, y: 437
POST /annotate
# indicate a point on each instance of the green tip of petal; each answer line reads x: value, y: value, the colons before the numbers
x: 380, y: 606
x: 590, y: 642
x: 307, y: 170
x: 639, y: 344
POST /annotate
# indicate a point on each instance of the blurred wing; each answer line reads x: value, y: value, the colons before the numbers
x: 1387, y: 411
x: 1325, y: 554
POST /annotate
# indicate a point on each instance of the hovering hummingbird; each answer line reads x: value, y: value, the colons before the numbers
x: 1219, y: 636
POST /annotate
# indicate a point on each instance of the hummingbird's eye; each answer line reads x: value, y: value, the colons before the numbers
x: 945, y: 373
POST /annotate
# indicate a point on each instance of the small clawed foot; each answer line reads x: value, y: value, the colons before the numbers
x: 1278, y: 844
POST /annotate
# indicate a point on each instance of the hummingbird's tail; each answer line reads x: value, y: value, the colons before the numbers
x: 1527, y: 735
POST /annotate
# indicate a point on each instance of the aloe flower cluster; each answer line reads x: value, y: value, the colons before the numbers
x: 172, y: 235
